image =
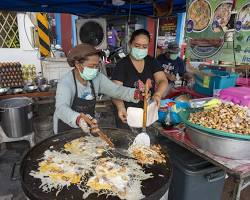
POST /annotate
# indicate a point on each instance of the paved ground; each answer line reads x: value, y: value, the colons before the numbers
x: 11, y: 189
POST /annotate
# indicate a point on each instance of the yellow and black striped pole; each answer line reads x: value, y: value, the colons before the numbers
x: 43, y: 33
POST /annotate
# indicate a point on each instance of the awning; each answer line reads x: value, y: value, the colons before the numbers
x: 87, y: 7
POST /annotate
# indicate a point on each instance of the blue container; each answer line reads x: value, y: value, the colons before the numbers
x: 164, y: 106
x: 219, y: 80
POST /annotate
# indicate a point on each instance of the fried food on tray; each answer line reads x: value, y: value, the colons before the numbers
x: 119, y: 177
x: 147, y: 155
x: 81, y: 163
x: 226, y: 117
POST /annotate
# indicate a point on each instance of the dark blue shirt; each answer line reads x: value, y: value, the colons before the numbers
x: 172, y: 66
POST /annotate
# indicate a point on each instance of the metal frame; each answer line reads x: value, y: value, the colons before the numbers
x: 241, y: 181
x: 8, y: 27
x: 4, y: 138
x: 240, y: 184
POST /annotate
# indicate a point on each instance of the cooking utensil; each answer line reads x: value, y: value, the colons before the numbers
x: 222, y: 146
x: 153, y: 188
x: 17, y: 90
x: 4, y: 90
x: 31, y: 88
x: 40, y: 80
x: 16, y: 116
x: 143, y: 138
x: 105, y: 138
x: 102, y: 135
x: 53, y: 83
x: 44, y: 87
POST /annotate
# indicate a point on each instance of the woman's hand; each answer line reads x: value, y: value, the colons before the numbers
x: 157, y: 98
x: 94, y: 128
x: 122, y: 114
x: 89, y: 125
x: 170, y: 77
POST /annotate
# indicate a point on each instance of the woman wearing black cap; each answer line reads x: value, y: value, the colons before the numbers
x: 77, y: 90
x: 172, y: 63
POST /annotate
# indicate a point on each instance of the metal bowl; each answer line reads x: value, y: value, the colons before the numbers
x: 31, y: 88
x: 40, y: 81
x: 233, y: 148
x: 44, y: 87
x: 53, y: 83
x: 17, y: 90
x: 4, y: 90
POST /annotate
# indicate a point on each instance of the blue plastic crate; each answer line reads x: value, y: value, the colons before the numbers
x: 205, y: 84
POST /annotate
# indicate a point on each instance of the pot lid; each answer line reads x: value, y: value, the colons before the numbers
x: 18, y: 102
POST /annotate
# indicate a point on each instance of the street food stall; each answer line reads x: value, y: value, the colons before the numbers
x: 132, y: 177
x: 209, y: 118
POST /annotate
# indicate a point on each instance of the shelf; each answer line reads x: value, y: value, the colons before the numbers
x: 51, y: 93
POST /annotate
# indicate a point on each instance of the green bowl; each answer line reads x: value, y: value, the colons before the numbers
x: 184, y: 115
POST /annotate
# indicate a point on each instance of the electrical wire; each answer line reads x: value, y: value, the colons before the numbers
x: 26, y: 34
x: 24, y: 26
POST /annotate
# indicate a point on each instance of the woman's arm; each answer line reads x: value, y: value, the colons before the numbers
x: 116, y: 91
x: 122, y: 113
x: 162, y: 85
x: 64, y: 95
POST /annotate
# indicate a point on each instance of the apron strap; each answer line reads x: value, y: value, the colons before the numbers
x: 76, y: 93
x: 92, y: 88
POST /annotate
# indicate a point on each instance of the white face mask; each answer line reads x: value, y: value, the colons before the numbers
x: 139, y: 54
x: 174, y: 56
x: 88, y: 73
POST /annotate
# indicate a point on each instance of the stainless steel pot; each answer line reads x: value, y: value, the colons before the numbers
x: 222, y: 146
x: 39, y: 80
x: 16, y: 116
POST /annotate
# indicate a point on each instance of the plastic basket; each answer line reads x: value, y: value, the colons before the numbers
x: 243, y: 82
x: 209, y: 80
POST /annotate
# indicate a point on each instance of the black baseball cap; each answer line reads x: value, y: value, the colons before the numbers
x: 173, y: 48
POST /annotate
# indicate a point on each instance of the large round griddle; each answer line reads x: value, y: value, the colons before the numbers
x: 153, y: 188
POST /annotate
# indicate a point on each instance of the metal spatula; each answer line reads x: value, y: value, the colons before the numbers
x: 143, y: 138
x: 102, y: 135
x: 105, y: 138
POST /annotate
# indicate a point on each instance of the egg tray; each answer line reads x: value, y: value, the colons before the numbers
x: 11, y: 75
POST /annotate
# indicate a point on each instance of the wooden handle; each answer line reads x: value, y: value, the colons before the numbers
x: 145, y: 103
x: 145, y: 107
x: 102, y: 135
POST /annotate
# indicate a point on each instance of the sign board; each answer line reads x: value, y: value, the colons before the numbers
x: 242, y: 32
x: 167, y: 25
x: 218, y: 30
